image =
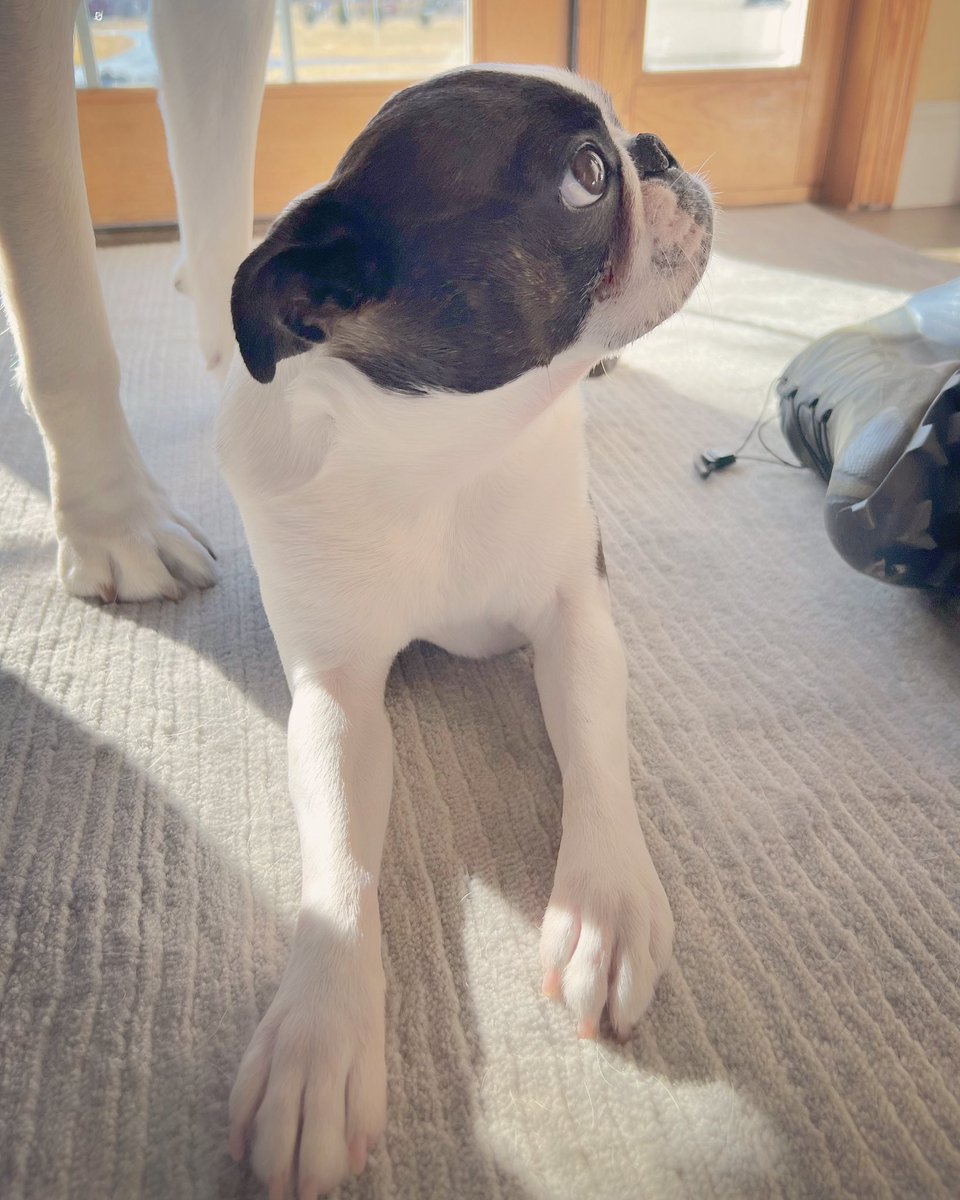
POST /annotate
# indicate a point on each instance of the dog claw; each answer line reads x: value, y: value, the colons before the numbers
x: 358, y: 1153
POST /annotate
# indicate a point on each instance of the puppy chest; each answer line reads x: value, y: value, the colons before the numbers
x: 363, y: 555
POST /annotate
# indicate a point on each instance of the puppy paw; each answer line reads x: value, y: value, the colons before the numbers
x: 128, y: 542
x: 181, y: 277
x: 310, y: 1096
x: 607, y: 934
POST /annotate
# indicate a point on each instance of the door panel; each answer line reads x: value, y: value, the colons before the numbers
x: 759, y: 133
x: 743, y: 131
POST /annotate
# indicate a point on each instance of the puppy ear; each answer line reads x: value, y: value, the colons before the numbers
x: 319, y: 260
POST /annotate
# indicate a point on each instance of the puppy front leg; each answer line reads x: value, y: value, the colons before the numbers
x: 608, y: 931
x: 311, y: 1090
x: 212, y: 58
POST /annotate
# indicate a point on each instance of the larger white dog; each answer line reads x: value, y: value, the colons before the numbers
x: 402, y: 431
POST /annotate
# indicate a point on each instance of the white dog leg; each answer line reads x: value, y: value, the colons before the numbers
x: 608, y: 931
x: 119, y: 536
x: 316, y: 1060
x: 212, y: 58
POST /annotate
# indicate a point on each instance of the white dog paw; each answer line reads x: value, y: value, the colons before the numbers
x: 216, y: 345
x: 311, y: 1092
x: 128, y: 542
x: 607, y: 934
x: 208, y: 279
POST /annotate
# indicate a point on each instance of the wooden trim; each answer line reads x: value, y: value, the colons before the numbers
x: 733, y: 75
x: 884, y: 44
x: 524, y: 31
x: 609, y: 42
x: 304, y: 128
x: 823, y: 56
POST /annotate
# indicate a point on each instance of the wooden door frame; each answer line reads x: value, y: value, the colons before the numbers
x: 861, y: 59
x: 875, y: 103
x: 124, y: 149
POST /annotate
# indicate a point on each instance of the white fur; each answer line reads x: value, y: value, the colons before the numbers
x: 375, y: 519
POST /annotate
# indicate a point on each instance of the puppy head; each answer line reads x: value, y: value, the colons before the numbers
x: 483, y: 222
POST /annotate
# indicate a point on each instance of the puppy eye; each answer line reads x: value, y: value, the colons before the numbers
x: 585, y: 180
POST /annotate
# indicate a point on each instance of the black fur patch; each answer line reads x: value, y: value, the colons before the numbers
x: 441, y: 255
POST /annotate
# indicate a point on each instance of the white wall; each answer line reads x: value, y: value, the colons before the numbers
x: 930, y: 175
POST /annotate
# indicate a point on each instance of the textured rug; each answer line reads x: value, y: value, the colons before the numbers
x: 797, y: 768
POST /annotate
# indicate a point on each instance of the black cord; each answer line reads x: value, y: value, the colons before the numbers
x: 716, y: 460
x: 755, y: 427
x: 794, y: 466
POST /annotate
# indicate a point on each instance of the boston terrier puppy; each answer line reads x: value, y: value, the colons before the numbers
x: 404, y: 437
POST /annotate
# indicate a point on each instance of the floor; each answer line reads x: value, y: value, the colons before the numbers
x: 934, y: 232
x: 795, y: 756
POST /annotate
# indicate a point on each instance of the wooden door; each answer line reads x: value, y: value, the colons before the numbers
x: 829, y: 123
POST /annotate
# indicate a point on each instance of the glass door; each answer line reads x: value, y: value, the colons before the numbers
x: 314, y: 41
x: 332, y: 64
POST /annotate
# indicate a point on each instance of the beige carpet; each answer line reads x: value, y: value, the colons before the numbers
x: 797, y: 761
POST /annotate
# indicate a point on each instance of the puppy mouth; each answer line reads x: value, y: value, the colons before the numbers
x: 693, y: 201
x: 606, y: 285
x: 690, y: 194
x: 693, y: 198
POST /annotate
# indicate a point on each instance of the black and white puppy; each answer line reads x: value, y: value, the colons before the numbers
x: 404, y: 438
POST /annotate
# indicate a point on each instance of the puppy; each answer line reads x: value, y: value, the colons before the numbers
x: 404, y: 438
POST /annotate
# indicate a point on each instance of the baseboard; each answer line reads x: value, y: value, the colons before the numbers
x: 930, y: 174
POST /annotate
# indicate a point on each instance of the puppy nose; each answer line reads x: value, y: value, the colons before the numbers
x: 650, y: 155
